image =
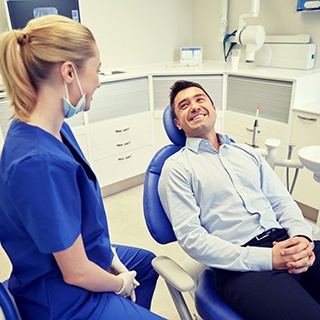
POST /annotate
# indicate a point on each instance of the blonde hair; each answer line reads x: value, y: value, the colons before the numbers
x: 28, y: 55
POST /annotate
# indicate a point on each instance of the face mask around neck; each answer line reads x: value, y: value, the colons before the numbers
x: 68, y: 108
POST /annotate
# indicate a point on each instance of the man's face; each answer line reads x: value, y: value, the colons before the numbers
x: 195, y: 114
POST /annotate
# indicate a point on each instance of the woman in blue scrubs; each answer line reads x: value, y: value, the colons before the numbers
x: 53, y: 224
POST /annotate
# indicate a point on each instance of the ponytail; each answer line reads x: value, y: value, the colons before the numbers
x: 19, y: 87
x: 28, y: 56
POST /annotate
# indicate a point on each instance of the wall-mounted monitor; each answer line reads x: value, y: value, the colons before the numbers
x: 308, y: 5
x: 19, y: 12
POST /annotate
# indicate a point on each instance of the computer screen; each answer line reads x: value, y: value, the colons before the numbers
x: 19, y: 12
x: 308, y: 5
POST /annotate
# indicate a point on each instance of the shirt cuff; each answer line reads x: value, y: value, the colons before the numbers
x: 302, y: 235
x: 261, y: 259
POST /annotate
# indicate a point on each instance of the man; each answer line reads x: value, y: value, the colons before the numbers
x: 230, y: 211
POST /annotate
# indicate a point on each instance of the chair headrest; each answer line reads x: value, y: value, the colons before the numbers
x: 175, y: 135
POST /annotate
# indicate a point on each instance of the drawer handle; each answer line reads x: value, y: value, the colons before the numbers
x: 122, y: 130
x: 123, y: 144
x: 251, y: 130
x: 307, y: 119
x: 125, y: 158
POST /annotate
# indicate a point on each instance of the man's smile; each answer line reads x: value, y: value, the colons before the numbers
x: 198, y: 116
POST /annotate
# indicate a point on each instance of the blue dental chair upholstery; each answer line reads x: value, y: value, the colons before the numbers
x: 7, y: 307
x: 208, y: 304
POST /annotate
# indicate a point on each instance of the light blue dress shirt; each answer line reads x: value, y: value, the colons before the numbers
x: 218, y: 201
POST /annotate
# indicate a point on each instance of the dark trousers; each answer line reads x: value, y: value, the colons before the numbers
x: 272, y: 295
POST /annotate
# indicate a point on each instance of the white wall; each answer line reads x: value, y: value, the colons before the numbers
x: 134, y: 32
x: 3, y: 20
x: 277, y: 17
x: 206, y: 27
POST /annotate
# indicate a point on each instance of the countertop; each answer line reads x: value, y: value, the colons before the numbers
x: 210, y: 68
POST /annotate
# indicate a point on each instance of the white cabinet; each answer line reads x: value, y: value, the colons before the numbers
x: 240, y: 128
x: 121, y: 148
x: 244, y: 94
x: 1, y: 141
x: 115, y: 99
x: 119, y: 130
x: 306, y: 132
x: 213, y: 84
x: 5, y: 114
x: 123, y: 128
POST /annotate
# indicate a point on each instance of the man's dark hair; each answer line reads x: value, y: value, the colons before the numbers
x: 181, y: 85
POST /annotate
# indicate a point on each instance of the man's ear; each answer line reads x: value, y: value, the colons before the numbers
x: 67, y: 71
x: 177, y: 123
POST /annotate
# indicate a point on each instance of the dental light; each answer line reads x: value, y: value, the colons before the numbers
x: 252, y: 37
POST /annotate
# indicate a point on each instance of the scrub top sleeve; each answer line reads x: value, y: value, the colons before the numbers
x: 47, y: 200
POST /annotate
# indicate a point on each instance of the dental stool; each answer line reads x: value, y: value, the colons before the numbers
x: 207, y: 302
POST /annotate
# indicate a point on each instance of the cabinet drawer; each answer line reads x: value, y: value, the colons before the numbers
x: 125, y: 165
x: 120, y: 130
x: 305, y: 129
x: 121, y: 146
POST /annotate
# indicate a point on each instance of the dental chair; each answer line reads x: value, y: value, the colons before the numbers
x: 8, y: 309
x: 199, y: 278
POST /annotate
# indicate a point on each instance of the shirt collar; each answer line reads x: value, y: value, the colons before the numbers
x: 195, y: 143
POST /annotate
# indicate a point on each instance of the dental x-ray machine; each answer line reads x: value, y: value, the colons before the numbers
x: 250, y: 36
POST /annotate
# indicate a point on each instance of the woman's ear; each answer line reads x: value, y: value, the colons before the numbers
x: 67, y: 71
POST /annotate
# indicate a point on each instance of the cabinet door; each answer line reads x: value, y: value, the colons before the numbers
x: 244, y: 94
x: 1, y: 141
x: 5, y: 114
x: 213, y: 84
x: 305, y: 132
x: 120, y: 98
x: 240, y: 128
x: 81, y: 135
x: 161, y: 88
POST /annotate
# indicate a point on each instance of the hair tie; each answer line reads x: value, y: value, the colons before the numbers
x: 23, y: 40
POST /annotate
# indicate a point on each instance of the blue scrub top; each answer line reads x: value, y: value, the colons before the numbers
x: 48, y: 196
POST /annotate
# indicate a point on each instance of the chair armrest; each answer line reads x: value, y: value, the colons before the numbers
x: 173, y: 273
